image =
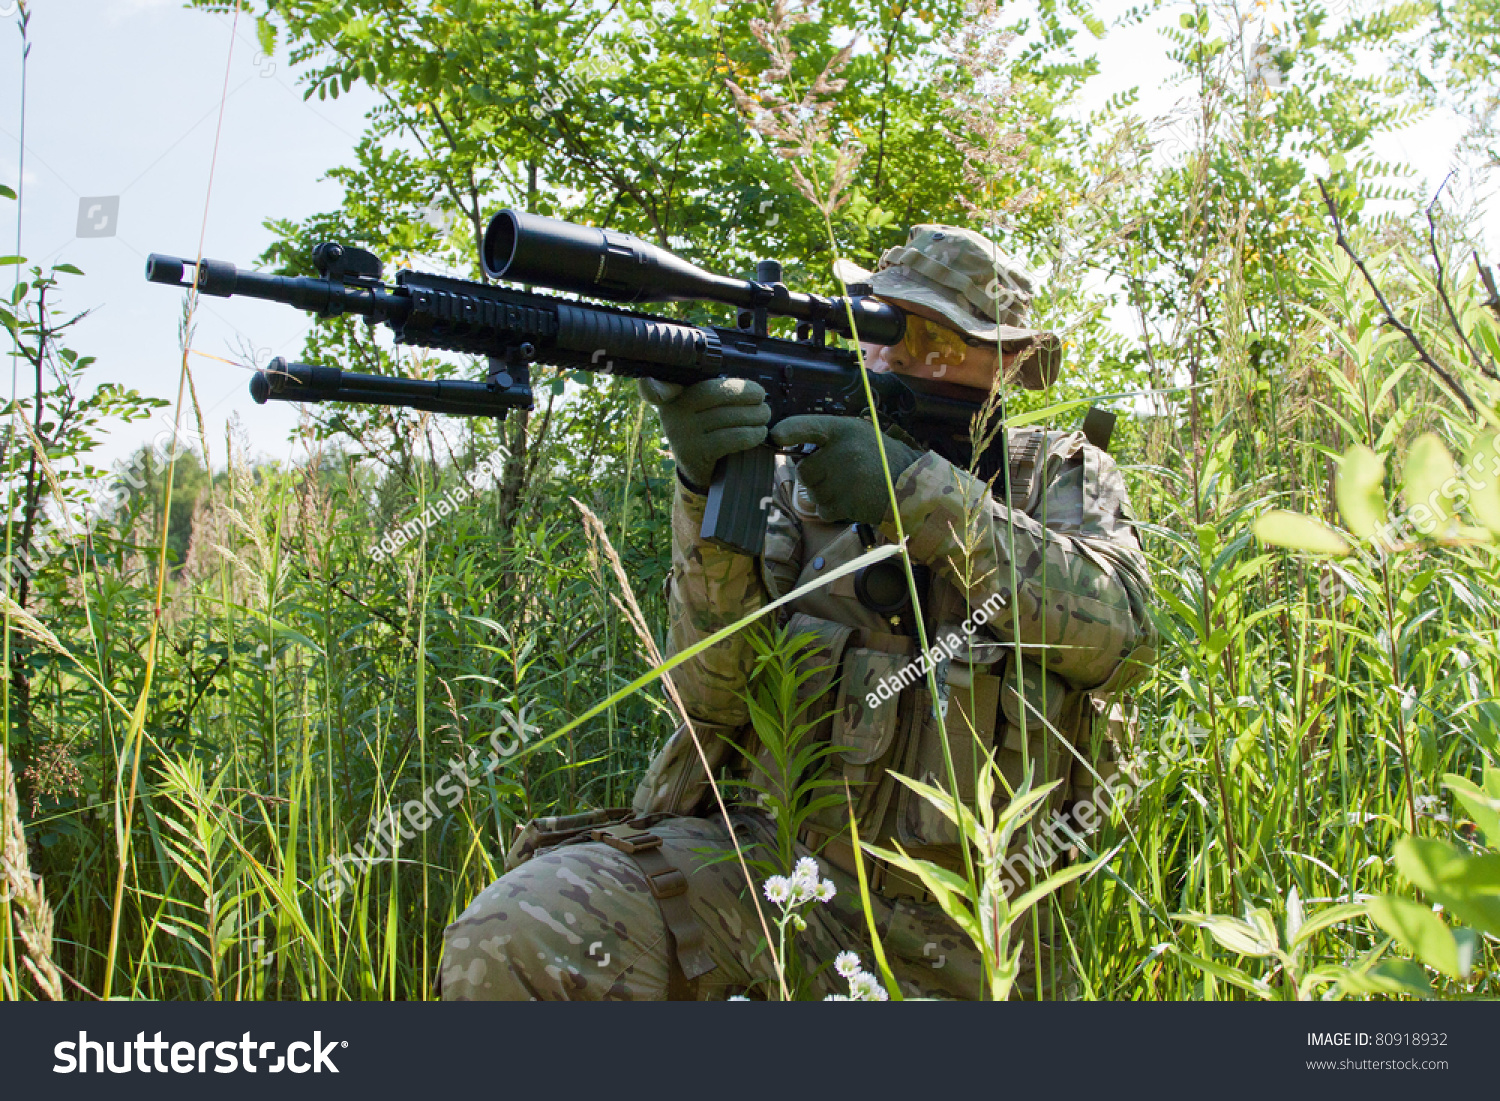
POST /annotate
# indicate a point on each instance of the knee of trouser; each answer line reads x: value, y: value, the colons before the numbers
x: 489, y: 950
x: 577, y: 923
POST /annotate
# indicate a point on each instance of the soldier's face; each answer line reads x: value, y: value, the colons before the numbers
x: 934, y: 351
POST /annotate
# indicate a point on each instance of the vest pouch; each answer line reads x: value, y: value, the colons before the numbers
x: 675, y: 782
x: 541, y: 834
x: 968, y: 727
x: 863, y: 737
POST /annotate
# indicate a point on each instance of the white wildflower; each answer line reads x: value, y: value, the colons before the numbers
x: 863, y: 987
x: 778, y: 889
x: 847, y: 964
x: 827, y: 891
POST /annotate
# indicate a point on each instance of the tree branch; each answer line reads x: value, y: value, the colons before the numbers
x: 1487, y: 367
x: 1390, y: 315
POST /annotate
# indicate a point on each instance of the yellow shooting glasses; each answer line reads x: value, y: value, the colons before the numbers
x: 930, y: 343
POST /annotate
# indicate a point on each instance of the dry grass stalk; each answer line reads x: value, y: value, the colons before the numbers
x: 33, y: 914
x: 798, y: 128
x: 599, y: 539
x: 990, y: 130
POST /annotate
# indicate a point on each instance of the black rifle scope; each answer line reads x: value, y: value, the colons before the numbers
x: 601, y: 263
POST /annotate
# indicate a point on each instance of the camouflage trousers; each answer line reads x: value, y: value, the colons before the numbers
x: 578, y: 923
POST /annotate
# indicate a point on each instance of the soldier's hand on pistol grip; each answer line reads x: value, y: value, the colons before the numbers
x: 707, y: 421
x: 844, y: 475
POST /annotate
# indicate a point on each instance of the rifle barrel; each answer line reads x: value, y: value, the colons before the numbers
x: 325, y: 297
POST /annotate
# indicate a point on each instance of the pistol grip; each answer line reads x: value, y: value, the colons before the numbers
x: 739, y: 498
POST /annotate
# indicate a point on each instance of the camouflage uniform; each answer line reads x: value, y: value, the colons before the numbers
x: 1040, y: 585
x: 580, y: 920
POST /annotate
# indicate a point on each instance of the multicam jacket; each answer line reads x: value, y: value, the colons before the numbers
x: 1078, y: 610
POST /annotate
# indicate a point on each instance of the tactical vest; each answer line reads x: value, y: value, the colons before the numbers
x: 877, y: 733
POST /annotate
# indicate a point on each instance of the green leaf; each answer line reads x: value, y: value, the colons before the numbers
x: 1052, y: 884
x: 1050, y: 412
x: 265, y: 33
x: 950, y: 890
x: 69, y: 268
x: 1230, y: 975
x: 1419, y: 931
x: 1483, y: 807
x: 1296, y: 917
x: 1467, y: 886
x: 1358, y: 491
x: 1429, y: 467
x: 1482, y: 470
x: 1232, y: 933
x: 1299, y: 532
x: 1389, y: 977
x: 1323, y: 919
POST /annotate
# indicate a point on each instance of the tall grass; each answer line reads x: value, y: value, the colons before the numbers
x: 304, y: 692
x: 198, y: 742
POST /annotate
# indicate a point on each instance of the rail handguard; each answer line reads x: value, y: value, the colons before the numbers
x: 514, y: 328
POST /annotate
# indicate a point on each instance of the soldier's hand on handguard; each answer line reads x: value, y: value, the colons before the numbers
x: 843, y: 474
x: 707, y: 421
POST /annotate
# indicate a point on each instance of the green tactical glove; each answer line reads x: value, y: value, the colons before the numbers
x: 843, y: 474
x: 707, y: 421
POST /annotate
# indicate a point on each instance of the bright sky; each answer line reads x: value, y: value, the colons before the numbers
x: 122, y: 101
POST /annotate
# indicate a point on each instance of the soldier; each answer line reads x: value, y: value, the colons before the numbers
x: 651, y: 903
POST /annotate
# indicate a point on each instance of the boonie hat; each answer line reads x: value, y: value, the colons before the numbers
x: 973, y: 286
